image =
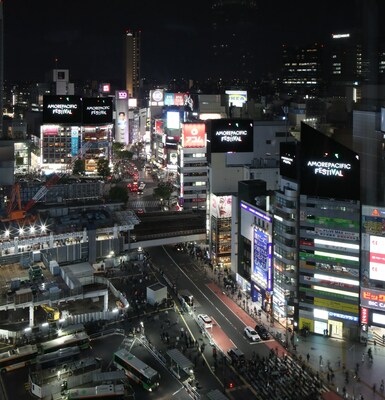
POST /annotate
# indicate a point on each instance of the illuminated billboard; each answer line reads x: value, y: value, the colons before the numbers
x: 288, y: 165
x: 237, y: 98
x: 327, y: 168
x: 377, y: 258
x: 157, y: 97
x: 159, y: 126
x: 97, y: 110
x: 173, y: 120
x: 62, y: 110
x: 121, y: 121
x: 194, y: 135
x: 230, y: 136
x: 221, y: 206
x: 262, y: 267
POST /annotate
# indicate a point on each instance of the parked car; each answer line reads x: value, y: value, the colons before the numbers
x: 251, y: 334
x: 262, y: 332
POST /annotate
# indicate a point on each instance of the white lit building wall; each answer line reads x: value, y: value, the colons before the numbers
x: 193, y: 178
x: 285, y: 251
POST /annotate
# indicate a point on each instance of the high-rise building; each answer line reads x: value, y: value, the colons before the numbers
x: 302, y: 69
x: 232, y: 44
x: 132, y: 62
x: 317, y: 236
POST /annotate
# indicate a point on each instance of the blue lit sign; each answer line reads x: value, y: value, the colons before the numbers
x: 256, y: 212
x: 343, y: 316
x: 262, y: 258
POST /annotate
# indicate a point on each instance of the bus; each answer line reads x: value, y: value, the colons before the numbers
x: 101, y: 391
x: 18, y: 358
x: 136, y: 369
x: 57, y: 357
x: 80, y: 339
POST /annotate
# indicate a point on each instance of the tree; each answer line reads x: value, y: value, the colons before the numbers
x: 103, y: 168
x: 116, y: 147
x: 119, y: 193
x: 79, y: 167
x: 163, y: 190
x: 125, y: 154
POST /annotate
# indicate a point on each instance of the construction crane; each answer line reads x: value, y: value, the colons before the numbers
x: 20, y: 213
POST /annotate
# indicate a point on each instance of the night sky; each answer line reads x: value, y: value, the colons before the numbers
x: 87, y: 35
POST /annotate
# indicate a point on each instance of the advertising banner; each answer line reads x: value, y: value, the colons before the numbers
x: 328, y: 169
x: 230, y: 136
x: 221, y: 206
x: 373, y: 299
x: 377, y: 258
x: 262, y: 258
x: 121, y: 122
x: 62, y: 109
x: 237, y: 98
x: 194, y: 135
x: 97, y: 110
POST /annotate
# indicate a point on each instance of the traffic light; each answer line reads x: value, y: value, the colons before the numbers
x: 231, y: 385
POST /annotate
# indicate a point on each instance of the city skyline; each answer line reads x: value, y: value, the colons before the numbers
x: 87, y: 38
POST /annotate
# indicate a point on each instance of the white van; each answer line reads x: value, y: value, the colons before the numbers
x: 204, y: 321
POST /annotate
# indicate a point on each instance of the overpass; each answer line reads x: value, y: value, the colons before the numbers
x: 163, y: 228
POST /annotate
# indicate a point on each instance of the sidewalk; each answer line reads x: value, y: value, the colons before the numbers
x: 327, y: 355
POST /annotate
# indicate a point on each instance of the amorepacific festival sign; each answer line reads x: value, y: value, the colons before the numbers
x: 327, y: 168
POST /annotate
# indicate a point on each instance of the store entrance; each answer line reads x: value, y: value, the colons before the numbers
x: 336, y: 329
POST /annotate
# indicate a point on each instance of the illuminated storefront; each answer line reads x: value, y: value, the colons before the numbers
x: 373, y: 270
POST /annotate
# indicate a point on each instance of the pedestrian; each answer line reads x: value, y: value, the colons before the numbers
x: 363, y: 358
x: 320, y: 361
x: 382, y: 386
x: 383, y: 339
x: 374, y: 388
x: 307, y: 357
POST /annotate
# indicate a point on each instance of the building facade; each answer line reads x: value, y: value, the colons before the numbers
x: 132, y: 62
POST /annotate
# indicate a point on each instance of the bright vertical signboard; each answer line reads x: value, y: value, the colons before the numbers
x: 377, y: 258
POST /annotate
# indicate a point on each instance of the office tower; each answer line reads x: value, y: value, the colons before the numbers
x: 1, y: 68
x: 345, y: 63
x: 233, y: 23
x: 132, y: 62
x: 302, y: 69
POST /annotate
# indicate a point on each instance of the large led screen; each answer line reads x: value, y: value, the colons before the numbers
x: 173, y: 120
x: 327, y: 168
x: 194, y: 135
x: 288, y: 161
x: 97, y: 110
x: 377, y: 258
x: 230, y: 136
x: 62, y: 109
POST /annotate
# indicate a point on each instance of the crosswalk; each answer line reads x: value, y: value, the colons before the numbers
x: 135, y: 204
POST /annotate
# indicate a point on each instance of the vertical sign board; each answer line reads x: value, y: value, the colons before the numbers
x: 262, y: 258
x: 121, y: 121
x: 74, y: 141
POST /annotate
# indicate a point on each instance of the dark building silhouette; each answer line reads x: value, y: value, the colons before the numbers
x: 233, y: 53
